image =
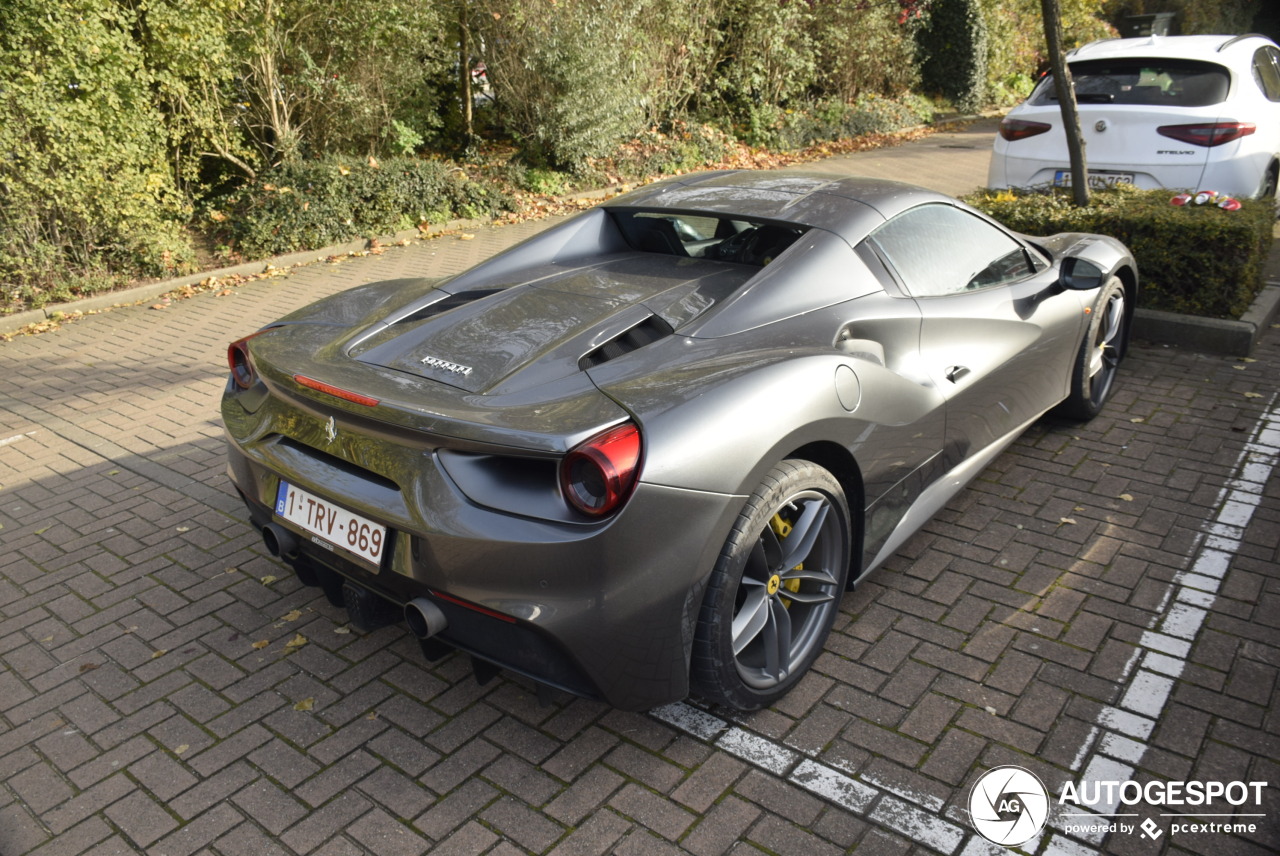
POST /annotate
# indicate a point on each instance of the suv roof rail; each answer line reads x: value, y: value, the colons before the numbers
x: 1231, y: 41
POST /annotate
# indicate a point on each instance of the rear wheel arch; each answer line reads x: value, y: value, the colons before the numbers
x: 775, y: 591
x: 838, y: 461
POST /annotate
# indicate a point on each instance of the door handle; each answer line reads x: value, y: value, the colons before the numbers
x: 954, y: 373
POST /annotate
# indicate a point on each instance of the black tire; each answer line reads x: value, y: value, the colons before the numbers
x: 1268, y: 189
x: 1104, y: 345
x: 771, y: 601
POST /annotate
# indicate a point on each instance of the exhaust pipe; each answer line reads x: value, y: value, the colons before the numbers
x: 280, y: 542
x: 424, y: 618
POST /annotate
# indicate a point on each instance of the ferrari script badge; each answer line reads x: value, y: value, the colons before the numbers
x: 437, y: 363
x: 330, y: 431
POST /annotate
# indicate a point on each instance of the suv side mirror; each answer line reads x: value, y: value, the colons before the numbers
x: 1081, y: 275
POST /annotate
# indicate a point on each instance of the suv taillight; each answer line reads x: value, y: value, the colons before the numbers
x: 1020, y: 129
x: 1208, y: 134
x: 597, y: 476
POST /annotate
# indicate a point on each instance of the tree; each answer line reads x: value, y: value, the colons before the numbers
x: 1066, y: 91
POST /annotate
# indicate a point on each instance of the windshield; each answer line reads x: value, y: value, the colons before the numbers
x: 1167, y: 82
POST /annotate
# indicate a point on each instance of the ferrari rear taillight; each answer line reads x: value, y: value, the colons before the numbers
x: 1019, y: 129
x: 242, y: 371
x: 597, y: 476
x: 1208, y: 134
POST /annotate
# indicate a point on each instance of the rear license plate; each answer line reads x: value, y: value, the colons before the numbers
x: 1062, y: 178
x: 330, y: 525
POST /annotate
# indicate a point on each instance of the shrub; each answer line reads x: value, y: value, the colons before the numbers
x: 311, y: 204
x: 86, y: 193
x: 1016, y: 49
x: 767, y: 61
x: 866, y: 49
x: 808, y: 124
x: 566, y: 82
x: 953, y: 46
x: 679, y: 148
x: 1197, y: 260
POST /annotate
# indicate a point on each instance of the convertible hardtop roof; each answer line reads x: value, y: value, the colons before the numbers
x: 848, y: 206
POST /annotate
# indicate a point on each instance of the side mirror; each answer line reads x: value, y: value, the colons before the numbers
x: 1081, y: 275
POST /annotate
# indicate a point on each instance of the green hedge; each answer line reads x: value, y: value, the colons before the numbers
x: 312, y: 204
x: 953, y: 49
x: 1196, y: 260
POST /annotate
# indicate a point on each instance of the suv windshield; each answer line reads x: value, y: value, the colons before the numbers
x: 1165, y: 82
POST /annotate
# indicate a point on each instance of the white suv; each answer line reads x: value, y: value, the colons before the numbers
x: 1184, y: 112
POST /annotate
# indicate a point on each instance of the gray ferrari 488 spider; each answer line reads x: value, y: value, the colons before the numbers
x: 646, y: 451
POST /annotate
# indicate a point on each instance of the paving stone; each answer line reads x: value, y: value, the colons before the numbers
x: 584, y: 796
x: 597, y: 836
x: 520, y: 823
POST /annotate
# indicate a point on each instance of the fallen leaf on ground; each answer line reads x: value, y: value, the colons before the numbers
x: 178, y: 750
x: 305, y: 704
x: 1137, y: 419
x: 292, y: 615
x: 261, y: 643
x: 268, y: 579
x: 1126, y: 497
x: 159, y: 653
x: 342, y: 630
x: 295, y: 643
x: 1067, y: 520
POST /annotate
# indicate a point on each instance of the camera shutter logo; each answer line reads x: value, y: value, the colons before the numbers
x: 1008, y: 805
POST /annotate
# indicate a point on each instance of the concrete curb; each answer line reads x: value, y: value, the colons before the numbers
x: 1211, y: 335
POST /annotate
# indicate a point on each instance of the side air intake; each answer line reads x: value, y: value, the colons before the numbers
x: 646, y: 332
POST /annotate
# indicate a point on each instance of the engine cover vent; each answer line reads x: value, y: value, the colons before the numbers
x: 646, y: 332
x: 453, y: 301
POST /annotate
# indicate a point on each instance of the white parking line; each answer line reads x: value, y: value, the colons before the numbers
x: 16, y: 437
x: 1122, y: 731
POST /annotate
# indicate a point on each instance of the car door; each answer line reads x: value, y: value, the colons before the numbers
x: 998, y: 333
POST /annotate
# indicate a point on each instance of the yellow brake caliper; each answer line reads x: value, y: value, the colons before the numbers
x: 782, y: 529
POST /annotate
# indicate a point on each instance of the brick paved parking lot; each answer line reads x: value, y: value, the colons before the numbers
x: 1102, y: 604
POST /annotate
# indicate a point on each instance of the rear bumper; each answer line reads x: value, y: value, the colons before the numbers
x: 605, y: 610
x: 1006, y: 171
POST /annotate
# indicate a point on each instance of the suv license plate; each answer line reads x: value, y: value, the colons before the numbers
x: 1099, y: 180
x: 330, y: 525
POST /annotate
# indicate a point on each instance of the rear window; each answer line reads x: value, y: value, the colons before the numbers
x: 706, y: 236
x: 1164, y: 82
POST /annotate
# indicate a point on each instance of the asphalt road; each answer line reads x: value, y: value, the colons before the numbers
x: 1101, y: 605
